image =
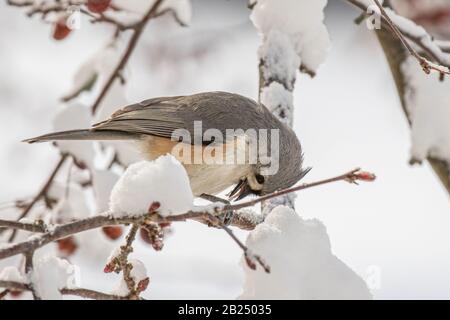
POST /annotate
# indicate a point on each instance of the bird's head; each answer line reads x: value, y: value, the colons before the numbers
x: 271, y: 177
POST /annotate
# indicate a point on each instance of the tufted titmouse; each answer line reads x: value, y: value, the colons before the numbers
x: 243, y: 143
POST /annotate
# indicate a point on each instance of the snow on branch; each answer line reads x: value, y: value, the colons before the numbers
x: 44, y: 277
x: 299, y: 22
x: 150, y: 195
x: 305, y: 268
x: 136, y: 281
x: 137, y: 188
x: 406, y: 30
x: 423, y: 98
x: 294, y: 38
x: 427, y: 101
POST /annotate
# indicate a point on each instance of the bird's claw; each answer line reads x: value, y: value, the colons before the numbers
x: 227, y: 217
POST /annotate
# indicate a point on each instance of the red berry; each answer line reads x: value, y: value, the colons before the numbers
x: 113, y: 232
x: 15, y: 293
x: 98, y: 6
x: 67, y: 245
x: 61, y: 30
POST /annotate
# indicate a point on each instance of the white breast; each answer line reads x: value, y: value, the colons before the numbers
x: 204, y: 178
x: 212, y: 179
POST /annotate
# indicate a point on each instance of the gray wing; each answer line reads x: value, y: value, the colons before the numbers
x: 156, y: 116
x: 162, y: 116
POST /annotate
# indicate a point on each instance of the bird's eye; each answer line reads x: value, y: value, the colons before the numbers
x: 259, y: 178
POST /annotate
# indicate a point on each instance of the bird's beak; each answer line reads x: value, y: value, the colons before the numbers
x: 241, y: 190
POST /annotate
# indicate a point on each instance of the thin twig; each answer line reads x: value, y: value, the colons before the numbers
x: 29, y: 270
x: 31, y: 227
x: 424, y: 63
x: 81, y: 292
x: 351, y: 176
x: 138, y: 29
x: 105, y: 18
x: 423, y: 41
x: 249, y: 257
x: 396, y: 54
x: 41, y: 194
x: 14, y: 285
x: 91, y: 294
x: 396, y: 31
x: 3, y: 293
x: 120, y: 263
x: 125, y: 266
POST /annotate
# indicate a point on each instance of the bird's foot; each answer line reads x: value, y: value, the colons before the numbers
x: 227, y: 216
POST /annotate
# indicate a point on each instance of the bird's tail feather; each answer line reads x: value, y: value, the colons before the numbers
x: 85, y: 134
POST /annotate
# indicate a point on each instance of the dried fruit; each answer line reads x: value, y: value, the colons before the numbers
x: 113, y: 232
x: 61, y: 30
x: 98, y: 6
x: 67, y: 245
x: 15, y: 293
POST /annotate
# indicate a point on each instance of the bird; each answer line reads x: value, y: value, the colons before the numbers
x: 158, y: 125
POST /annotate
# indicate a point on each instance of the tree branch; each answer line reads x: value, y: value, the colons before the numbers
x: 249, y: 256
x: 124, y: 265
x: 3, y: 293
x: 396, y: 55
x: 38, y: 226
x: 91, y: 294
x: 84, y: 293
x: 352, y: 176
x: 138, y: 29
x: 424, y: 63
x: 13, y: 285
x: 204, y: 215
x: 422, y: 39
x: 28, y: 271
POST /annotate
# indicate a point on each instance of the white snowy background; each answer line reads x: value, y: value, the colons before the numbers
x: 347, y: 116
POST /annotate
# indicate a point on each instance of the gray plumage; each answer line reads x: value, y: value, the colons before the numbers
x: 219, y: 110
